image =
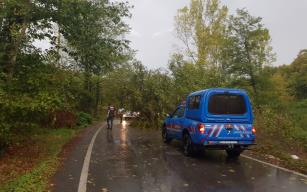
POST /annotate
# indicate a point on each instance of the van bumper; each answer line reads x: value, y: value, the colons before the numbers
x: 228, y: 144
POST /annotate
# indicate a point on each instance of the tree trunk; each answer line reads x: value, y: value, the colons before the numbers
x: 253, y: 84
x: 87, y: 77
x: 97, y: 99
x: 58, y: 62
x: 251, y: 71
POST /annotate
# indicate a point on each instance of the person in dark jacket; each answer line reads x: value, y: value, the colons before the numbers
x: 110, y: 116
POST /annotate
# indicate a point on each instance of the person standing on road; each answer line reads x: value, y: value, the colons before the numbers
x: 110, y: 116
x: 121, y: 114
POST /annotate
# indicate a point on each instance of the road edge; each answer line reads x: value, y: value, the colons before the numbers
x: 86, y: 163
x: 275, y: 166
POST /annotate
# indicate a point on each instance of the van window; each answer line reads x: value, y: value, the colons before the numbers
x: 227, y: 104
x: 179, y: 113
x: 194, y: 102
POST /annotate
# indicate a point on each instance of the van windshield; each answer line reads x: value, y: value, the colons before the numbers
x: 227, y: 104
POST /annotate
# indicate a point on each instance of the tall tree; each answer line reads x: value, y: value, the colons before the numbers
x: 201, y: 27
x: 94, y: 30
x: 248, y: 48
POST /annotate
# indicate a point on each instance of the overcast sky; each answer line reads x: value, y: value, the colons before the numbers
x: 152, y: 26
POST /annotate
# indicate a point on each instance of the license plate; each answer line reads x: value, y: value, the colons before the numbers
x: 228, y: 142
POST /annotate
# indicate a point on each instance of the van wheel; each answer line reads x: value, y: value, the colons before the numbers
x: 165, y: 136
x: 234, y: 153
x: 187, y: 145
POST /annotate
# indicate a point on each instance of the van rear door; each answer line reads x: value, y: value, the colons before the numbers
x: 228, y: 107
x: 229, y: 115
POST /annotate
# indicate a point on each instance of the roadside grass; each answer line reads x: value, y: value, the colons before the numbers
x: 28, y: 165
x: 282, y: 134
x: 280, y: 155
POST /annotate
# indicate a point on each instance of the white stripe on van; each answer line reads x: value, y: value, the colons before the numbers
x: 213, y: 130
x: 245, y: 131
x: 221, y: 128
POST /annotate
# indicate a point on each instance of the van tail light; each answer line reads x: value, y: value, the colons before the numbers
x: 254, y: 130
x: 202, y: 128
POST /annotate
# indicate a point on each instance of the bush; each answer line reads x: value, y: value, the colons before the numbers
x: 84, y: 119
x: 273, y: 123
x: 4, y: 137
x: 61, y: 119
x: 5, y: 127
x: 298, y: 112
x: 279, y: 126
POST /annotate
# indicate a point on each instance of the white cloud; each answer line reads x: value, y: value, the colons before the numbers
x: 157, y: 34
x: 161, y: 33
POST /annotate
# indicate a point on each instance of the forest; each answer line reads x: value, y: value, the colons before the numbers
x: 89, y: 63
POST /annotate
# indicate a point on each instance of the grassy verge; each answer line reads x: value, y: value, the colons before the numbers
x: 28, y: 165
x: 280, y: 135
x: 277, y: 155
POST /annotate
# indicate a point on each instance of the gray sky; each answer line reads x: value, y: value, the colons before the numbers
x: 152, y: 26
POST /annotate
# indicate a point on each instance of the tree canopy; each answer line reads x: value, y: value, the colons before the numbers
x: 85, y: 40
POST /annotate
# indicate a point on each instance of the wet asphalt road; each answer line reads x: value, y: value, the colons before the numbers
x: 130, y: 159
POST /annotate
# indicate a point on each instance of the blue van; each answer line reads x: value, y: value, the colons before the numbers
x: 216, y: 118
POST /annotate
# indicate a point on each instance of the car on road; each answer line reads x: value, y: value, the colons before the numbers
x: 130, y: 115
x: 216, y: 118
